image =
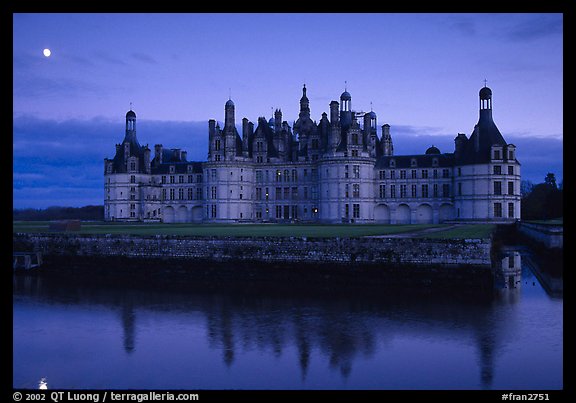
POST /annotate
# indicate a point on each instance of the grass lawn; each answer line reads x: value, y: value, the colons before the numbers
x: 465, y: 231
x: 281, y: 230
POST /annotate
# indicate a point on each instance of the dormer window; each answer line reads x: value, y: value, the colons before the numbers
x: 172, y: 169
x: 510, y: 154
x: 434, y: 162
x: 392, y: 163
x: 413, y: 162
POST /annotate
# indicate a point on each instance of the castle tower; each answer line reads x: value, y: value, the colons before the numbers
x: 387, y: 145
x: 229, y: 131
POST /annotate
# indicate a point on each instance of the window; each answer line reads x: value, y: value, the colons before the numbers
x: 446, y: 190
x: 402, y: 174
x: 402, y: 191
x: 435, y: 190
x: 294, y: 193
x: 217, y: 157
x: 217, y: 145
x: 445, y: 173
x: 510, y: 188
x: 213, y: 211
x: 214, y: 174
x: 163, y: 194
x: 132, y: 179
x: 413, y: 190
x: 199, y: 178
x: 511, y: 210
x: 354, y: 153
x: 346, y: 210
x: 286, y: 175
x: 258, y: 193
x: 259, y: 146
x: 382, y: 192
x: 356, y: 190
x: 497, y: 188
x: 355, y: 138
x: 347, y: 190
x: 180, y: 194
x: 294, y: 175
x: 181, y: 179
x: 267, y: 194
x: 413, y: 162
x: 424, y: 174
x: 392, y: 163
x: 435, y: 174
x: 357, y: 171
x: 497, y: 209
x: 190, y: 193
x: 190, y: 178
x: 434, y: 162
x: 294, y: 211
x: 259, y: 159
x: 459, y: 171
x: 392, y: 174
x: 314, y: 144
x: 393, y: 191
x: 133, y: 166
x: 213, y: 191
x: 459, y: 189
x: 241, y: 196
x: 132, y: 207
x: 198, y: 193
x: 132, y: 197
x: 286, y: 193
x: 510, y: 170
x: 382, y: 175
x: 424, y: 190
x: 172, y: 194
x: 172, y: 169
x: 346, y: 173
x: 306, y: 193
x: 510, y: 154
x: 278, y: 176
x: 497, y: 157
x: 278, y: 211
x: 172, y: 179
x: 497, y: 170
x: 356, y: 210
x: 278, y: 193
x: 413, y: 174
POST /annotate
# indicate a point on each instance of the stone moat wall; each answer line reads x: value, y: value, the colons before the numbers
x: 280, y: 260
x: 370, y: 250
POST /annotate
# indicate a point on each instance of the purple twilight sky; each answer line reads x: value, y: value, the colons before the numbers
x: 420, y: 73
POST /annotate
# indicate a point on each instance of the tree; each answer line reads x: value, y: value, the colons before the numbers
x: 543, y: 201
x: 526, y: 187
x: 550, y: 180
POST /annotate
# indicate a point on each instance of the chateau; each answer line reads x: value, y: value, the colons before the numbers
x: 339, y: 170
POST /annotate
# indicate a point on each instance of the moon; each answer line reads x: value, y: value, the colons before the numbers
x: 47, y: 52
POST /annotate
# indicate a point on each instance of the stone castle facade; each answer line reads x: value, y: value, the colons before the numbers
x: 339, y: 170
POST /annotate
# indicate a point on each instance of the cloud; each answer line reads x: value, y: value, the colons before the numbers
x: 540, y: 26
x: 463, y: 25
x: 143, y: 57
x: 106, y: 57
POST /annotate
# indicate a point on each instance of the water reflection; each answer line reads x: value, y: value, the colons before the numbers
x: 331, y: 329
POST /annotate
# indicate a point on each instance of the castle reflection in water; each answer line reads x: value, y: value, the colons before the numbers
x: 337, y: 329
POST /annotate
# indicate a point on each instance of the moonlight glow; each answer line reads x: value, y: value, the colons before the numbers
x: 47, y: 52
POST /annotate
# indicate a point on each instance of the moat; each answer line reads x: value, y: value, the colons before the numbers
x: 107, y: 333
